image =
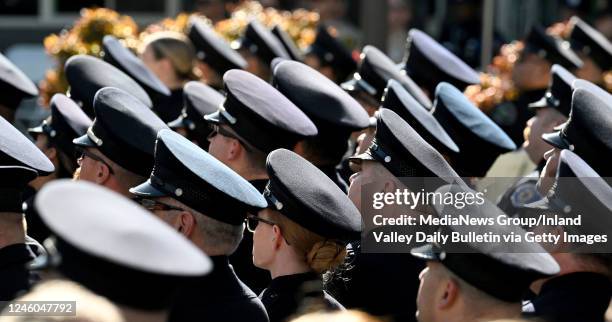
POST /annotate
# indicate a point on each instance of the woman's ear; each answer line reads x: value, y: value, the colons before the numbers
x: 277, y: 237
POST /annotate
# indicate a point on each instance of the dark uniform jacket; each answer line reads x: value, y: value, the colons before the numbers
x: 511, y: 116
x: 382, y: 284
x: 293, y: 294
x: 219, y: 296
x: 14, y: 277
x: 242, y: 259
x: 169, y: 108
x: 575, y: 297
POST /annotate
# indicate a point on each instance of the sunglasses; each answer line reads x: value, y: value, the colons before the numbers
x: 84, y: 153
x: 253, y: 221
x: 217, y: 129
x: 154, y: 205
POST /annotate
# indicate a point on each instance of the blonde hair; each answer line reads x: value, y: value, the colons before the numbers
x: 89, y: 306
x: 177, y: 49
x: 321, y: 254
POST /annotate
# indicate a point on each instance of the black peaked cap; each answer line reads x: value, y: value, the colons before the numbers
x: 212, y: 49
x: 300, y: 191
x: 124, y: 130
x: 87, y: 74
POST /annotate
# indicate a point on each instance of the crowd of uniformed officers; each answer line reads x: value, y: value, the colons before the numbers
x: 155, y: 196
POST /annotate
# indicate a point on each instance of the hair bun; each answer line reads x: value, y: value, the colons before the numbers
x: 325, y: 255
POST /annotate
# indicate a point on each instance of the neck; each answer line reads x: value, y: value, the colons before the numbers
x: 12, y: 229
x: 510, y: 311
x: 249, y: 173
x: 135, y: 315
x: 282, y: 268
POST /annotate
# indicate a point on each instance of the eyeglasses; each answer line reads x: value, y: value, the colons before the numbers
x: 253, y: 221
x: 154, y: 205
x: 217, y: 129
x: 82, y: 152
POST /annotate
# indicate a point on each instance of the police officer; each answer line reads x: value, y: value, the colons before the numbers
x: 491, y: 277
x: 259, y: 47
x: 117, y: 150
x: 428, y: 63
x: 551, y: 110
x: 583, y: 290
x: 86, y: 75
x: 329, y: 56
x: 207, y: 202
x: 593, y: 48
x: 254, y: 120
x: 369, y: 82
x: 116, y: 249
x: 199, y: 100
x: 54, y: 138
x: 479, y: 139
x: 336, y: 114
x: 167, y: 107
x: 14, y: 86
x: 300, y: 235
x: 397, y: 158
x: 530, y: 76
x: 20, y: 162
x: 587, y: 132
x: 285, y: 40
x: 214, y: 54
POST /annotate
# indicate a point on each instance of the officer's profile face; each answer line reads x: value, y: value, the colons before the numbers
x: 266, y: 239
x: 93, y: 166
x: 366, y: 172
x: 221, y: 145
x: 549, y: 172
x: 544, y: 121
x: 255, y: 65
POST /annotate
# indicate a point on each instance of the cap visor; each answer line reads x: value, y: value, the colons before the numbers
x: 84, y: 140
x: 538, y: 104
x: 425, y: 252
x: 146, y: 190
x: 350, y: 85
x: 177, y: 124
x: 213, y: 117
x: 35, y: 130
x: 362, y: 156
x: 541, y: 204
x: 555, y: 140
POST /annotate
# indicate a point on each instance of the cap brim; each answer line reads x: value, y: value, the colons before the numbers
x: 36, y: 130
x: 177, y: 124
x: 541, y: 204
x: 555, y: 140
x: 213, y: 117
x: 146, y: 190
x: 538, y: 104
x: 351, y: 85
x: 426, y: 252
x: 84, y: 140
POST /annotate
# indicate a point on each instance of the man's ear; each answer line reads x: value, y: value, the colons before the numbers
x: 449, y: 295
x: 390, y: 186
x: 235, y: 150
x: 186, y: 223
x: 102, y: 173
x: 299, y: 149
